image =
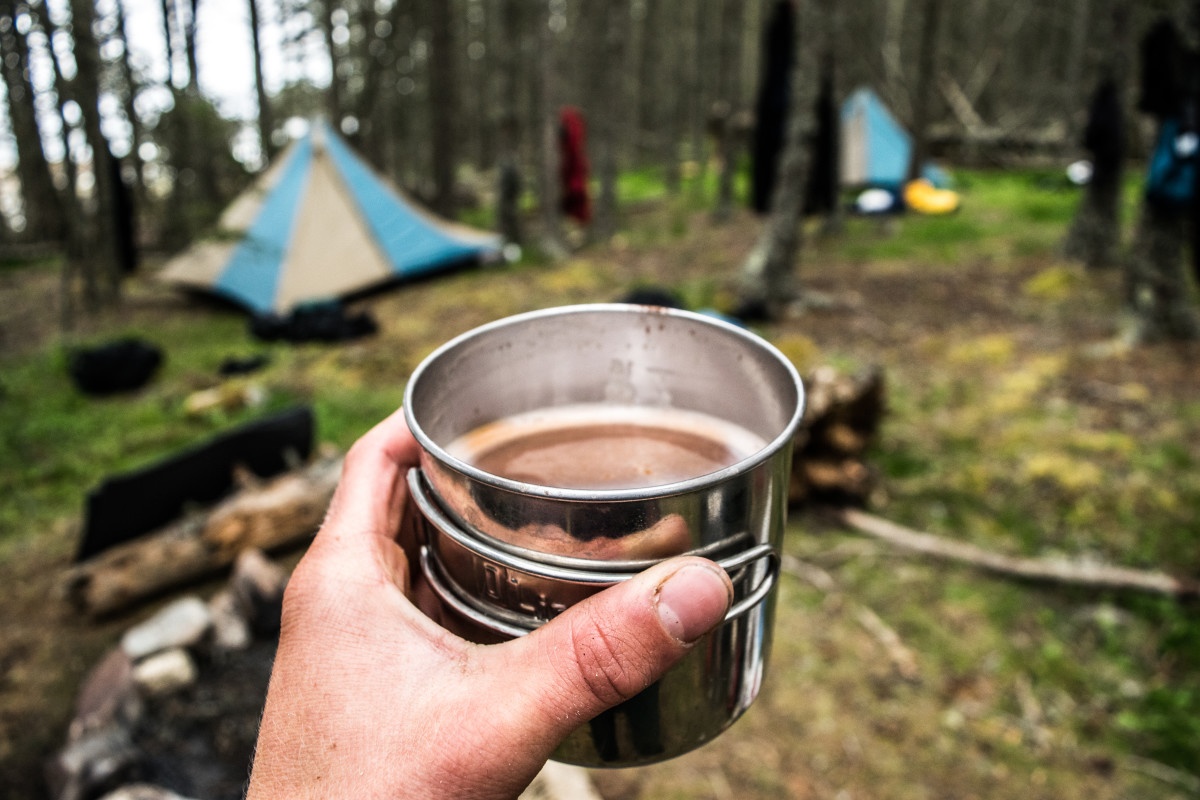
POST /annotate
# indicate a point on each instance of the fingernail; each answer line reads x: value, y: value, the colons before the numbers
x: 693, y: 601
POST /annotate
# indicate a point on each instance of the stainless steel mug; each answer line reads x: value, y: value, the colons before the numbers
x: 504, y: 556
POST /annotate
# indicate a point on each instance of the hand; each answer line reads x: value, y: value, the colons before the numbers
x: 370, y: 698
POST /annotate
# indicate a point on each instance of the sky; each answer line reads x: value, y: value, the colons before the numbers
x: 226, y: 67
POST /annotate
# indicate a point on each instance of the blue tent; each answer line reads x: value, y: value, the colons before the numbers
x: 320, y: 225
x: 875, y: 149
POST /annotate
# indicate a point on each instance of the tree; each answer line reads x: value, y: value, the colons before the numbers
x: 443, y: 105
x: 266, y: 124
x: 1156, y: 285
x: 725, y: 116
x: 42, y: 211
x: 768, y: 280
x: 609, y: 94
x: 927, y: 66
x: 1095, y: 232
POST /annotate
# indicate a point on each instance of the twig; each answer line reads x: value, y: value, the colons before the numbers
x: 903, y: 660
x: 1059, y: 571
x: 1163, y: 773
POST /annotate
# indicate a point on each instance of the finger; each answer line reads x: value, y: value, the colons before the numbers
x: 614, y: 644
x: 371, y: 493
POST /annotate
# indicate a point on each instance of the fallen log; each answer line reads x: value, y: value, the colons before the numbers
x: 1036, y: 570
x: 275, y: 514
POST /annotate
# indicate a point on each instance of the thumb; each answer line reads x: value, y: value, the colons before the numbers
x: 609, y: 647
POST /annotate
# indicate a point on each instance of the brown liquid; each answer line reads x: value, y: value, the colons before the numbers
x: 605, y: 447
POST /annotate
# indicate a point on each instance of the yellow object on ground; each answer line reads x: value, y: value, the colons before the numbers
x: 925, y: 198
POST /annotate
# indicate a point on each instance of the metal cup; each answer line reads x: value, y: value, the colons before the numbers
x: 504, y: 556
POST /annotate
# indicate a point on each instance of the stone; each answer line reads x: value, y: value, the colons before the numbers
x: 165, y: 672
x: 99, y: 760
x: 107, y: 696
x: 561, y: 782
x: 230, y: 628
x: 180, y: 624
x: 258, y: 584
x: 142, y: 791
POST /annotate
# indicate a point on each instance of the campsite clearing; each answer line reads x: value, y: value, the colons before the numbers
x: 1016, y: 422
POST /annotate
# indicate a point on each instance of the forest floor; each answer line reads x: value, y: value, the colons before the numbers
x: 1017, y: 420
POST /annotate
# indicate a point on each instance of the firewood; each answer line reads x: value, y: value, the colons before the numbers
x: 1038, y: 570
x: 279, y: 513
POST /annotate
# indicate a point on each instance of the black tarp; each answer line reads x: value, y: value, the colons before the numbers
x: 127, y: 506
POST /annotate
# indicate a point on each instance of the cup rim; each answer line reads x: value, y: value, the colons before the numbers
x: 444, y: 458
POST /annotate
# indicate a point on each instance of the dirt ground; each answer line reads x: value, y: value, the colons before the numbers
x: 834, y: 719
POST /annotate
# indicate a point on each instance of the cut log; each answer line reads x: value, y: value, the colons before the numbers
x: 842, y: 416
x: 1059, y: 571
x: 276, y: 514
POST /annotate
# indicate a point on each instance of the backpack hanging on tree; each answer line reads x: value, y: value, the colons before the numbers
x: 1171, y: 181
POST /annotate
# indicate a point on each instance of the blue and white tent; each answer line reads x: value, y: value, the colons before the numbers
x: 875, y: 149
x: 320, y: 225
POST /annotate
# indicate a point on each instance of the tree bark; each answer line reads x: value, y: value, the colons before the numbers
x: 1156, y: 285
x: 189, y: 48
x: 768, y: 281
x: 443, y: 106
x: 43, y: 214
x: 609, y: 94
x: 546, y: 98
x: 926, y: 86
x: 87, y: 87
x: 136, y: 136
x: 728, y: 104
x: 266, y: 122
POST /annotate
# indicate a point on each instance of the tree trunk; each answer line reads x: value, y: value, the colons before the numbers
x: 610, y: 35
x: 768, y: 280
x: 546, y: 99
x: 443, y: 106
x: 508, y: 34
x: 266, y: 123
x: 168, y: 21
x: 189, y: 48
x: 87, y: 88
x: 335, y: 106
x: 728, y: 104
x: 926, y: 85
x: 1156, y: 285
x: 135, y: 123
x: 43, y: 215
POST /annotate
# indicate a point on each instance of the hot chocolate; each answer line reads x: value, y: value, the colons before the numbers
x: 601, y: 446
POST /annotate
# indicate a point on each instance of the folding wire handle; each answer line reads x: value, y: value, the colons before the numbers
x: 515, y: 624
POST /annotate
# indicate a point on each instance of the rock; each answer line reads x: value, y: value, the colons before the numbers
x: 258, y: 584
x: 165, y: 672
x: 231, y: 630
x: 98, y: 761
x: 108, y: 695
x: 181, y: 624
x: 561, y: 782
x: 142, y: 791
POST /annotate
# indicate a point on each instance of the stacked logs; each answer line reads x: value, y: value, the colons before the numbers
x: 842, y: 416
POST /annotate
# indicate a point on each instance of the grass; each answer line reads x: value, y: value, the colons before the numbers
x: 1004, y: 428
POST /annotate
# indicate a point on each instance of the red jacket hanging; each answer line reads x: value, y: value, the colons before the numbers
x: 574, y: 165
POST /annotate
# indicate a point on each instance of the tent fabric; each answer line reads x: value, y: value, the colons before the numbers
x: 320, y: 225
x: 876, y: 150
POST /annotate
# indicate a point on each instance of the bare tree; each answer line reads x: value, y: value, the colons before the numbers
x: 768, y: 280
x: 266, y: 123
x: 43, y: 215
x: 103, y: 254
x: 1095, y: 232
x: 725, y: 111
x: 443, y: 93
x: 926, y: 84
